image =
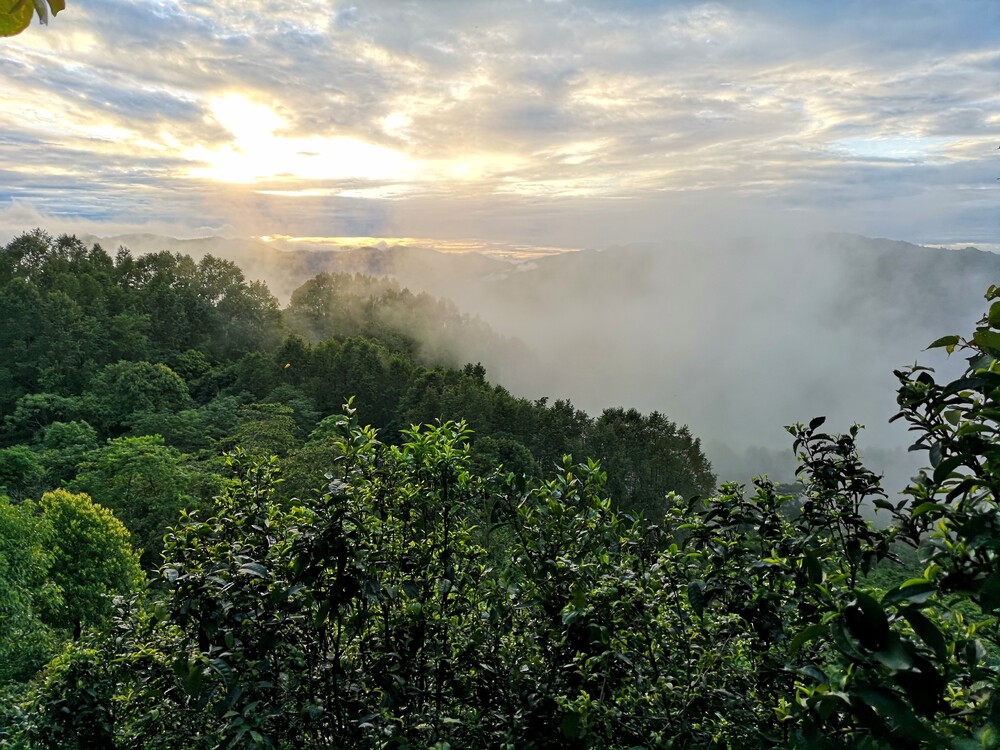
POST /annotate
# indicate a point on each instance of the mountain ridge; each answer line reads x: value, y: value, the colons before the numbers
x: 734, y: 337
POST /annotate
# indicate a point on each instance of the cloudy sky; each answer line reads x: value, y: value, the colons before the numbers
x: 570, y: 124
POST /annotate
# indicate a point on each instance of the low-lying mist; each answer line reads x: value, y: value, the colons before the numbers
x: 739, y: 338
x: 735, y: 338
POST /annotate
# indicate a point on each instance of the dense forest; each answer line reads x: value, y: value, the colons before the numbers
x: 812, y: 324
x: 228, y: 524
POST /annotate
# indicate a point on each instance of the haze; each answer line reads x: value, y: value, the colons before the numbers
x: 719, y: 134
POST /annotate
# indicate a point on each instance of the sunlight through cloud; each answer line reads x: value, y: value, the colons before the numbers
x: 259, y: 151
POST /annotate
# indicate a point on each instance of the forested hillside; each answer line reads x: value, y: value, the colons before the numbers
x: 733, y: 336
x: 228, y: 524
x: 118, y: 349
x: 125, y: 379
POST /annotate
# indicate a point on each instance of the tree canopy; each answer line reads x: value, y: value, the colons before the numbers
x: 437, y: 563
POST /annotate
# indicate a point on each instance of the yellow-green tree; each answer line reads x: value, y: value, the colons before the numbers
x: 92, y: 557
x: 26, y: 593
x: 15, y: 15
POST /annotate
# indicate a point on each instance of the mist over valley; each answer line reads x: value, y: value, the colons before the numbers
x: 735, y: 338
x: 441, y: 375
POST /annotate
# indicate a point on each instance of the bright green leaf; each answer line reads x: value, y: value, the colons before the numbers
x: 988, y: 341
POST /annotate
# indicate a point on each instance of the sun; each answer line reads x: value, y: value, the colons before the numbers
x: 259, y: 150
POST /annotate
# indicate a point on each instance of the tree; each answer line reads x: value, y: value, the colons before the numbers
x: 68, y: 342
x: 35, y: 412
x: 500, y: 450
x: 92, y: 560
x: 21, y: 472
x: 28, y: 597
x: 918, y: 664
x: 146, y: 484
x: 21, y: 309
x: 264, y: 430
x: 64, y: 445
x: 125, y: 388
x: 646, y: 457
x: 371, y: 611
x: 70, y: 706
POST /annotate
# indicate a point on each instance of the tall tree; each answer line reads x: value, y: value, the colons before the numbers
x: 28, y: 597
x: 146, y: 484
x: 92, y: 559
x: 125, y: 388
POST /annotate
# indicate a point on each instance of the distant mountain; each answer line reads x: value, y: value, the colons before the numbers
x: 735, y: 338
x: 284, y: 270
x: 740, y: 338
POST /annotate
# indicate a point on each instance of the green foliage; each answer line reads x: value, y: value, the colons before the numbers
x: 64, y: 445
x: 503, y: 452
x: 373, y: 614
x: 166, y: 345
x: 373, y: 593
x: 92, y: 560
x: 33, y: 413
x: 70, y: 707
x: 16, y: 15
x: 61, y: 561
x: 28, y: 598
x: 265, y: 430
x: 21, y: 472
x: 125, y: 388
x: 639, y: 452
x: 146, y: 484
x: 919, y: 657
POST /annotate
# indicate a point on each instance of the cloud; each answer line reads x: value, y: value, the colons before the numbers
x: 18, y: 216
x: 783, y: 104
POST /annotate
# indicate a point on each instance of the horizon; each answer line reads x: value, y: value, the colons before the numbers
x: 557, y: 124
x: 510, y: 252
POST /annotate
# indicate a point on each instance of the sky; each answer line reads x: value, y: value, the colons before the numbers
x: 566, y: 124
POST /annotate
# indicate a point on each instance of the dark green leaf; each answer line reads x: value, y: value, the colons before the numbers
x: 963, y: 384
x: 571, y: 725
x: 814, y: 673
x: 894, y: 655
x: 927, y: 508
x: 916, y: 593
x: 935, y: 454
x: 223, y: 670
x: 891, y: 706
x: 411, y: 589
x: 989, y: 594
x: 814, y: 570
x: 805, y: 635
x: 254, y: 569
x: 696, y: 597
x: 867, y: 622
x: 927, y: 630
x: 988, y: 341
x: 944, y: 469
x: 946, y: 341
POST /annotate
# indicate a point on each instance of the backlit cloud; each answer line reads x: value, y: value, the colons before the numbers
x: 510, y: 116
